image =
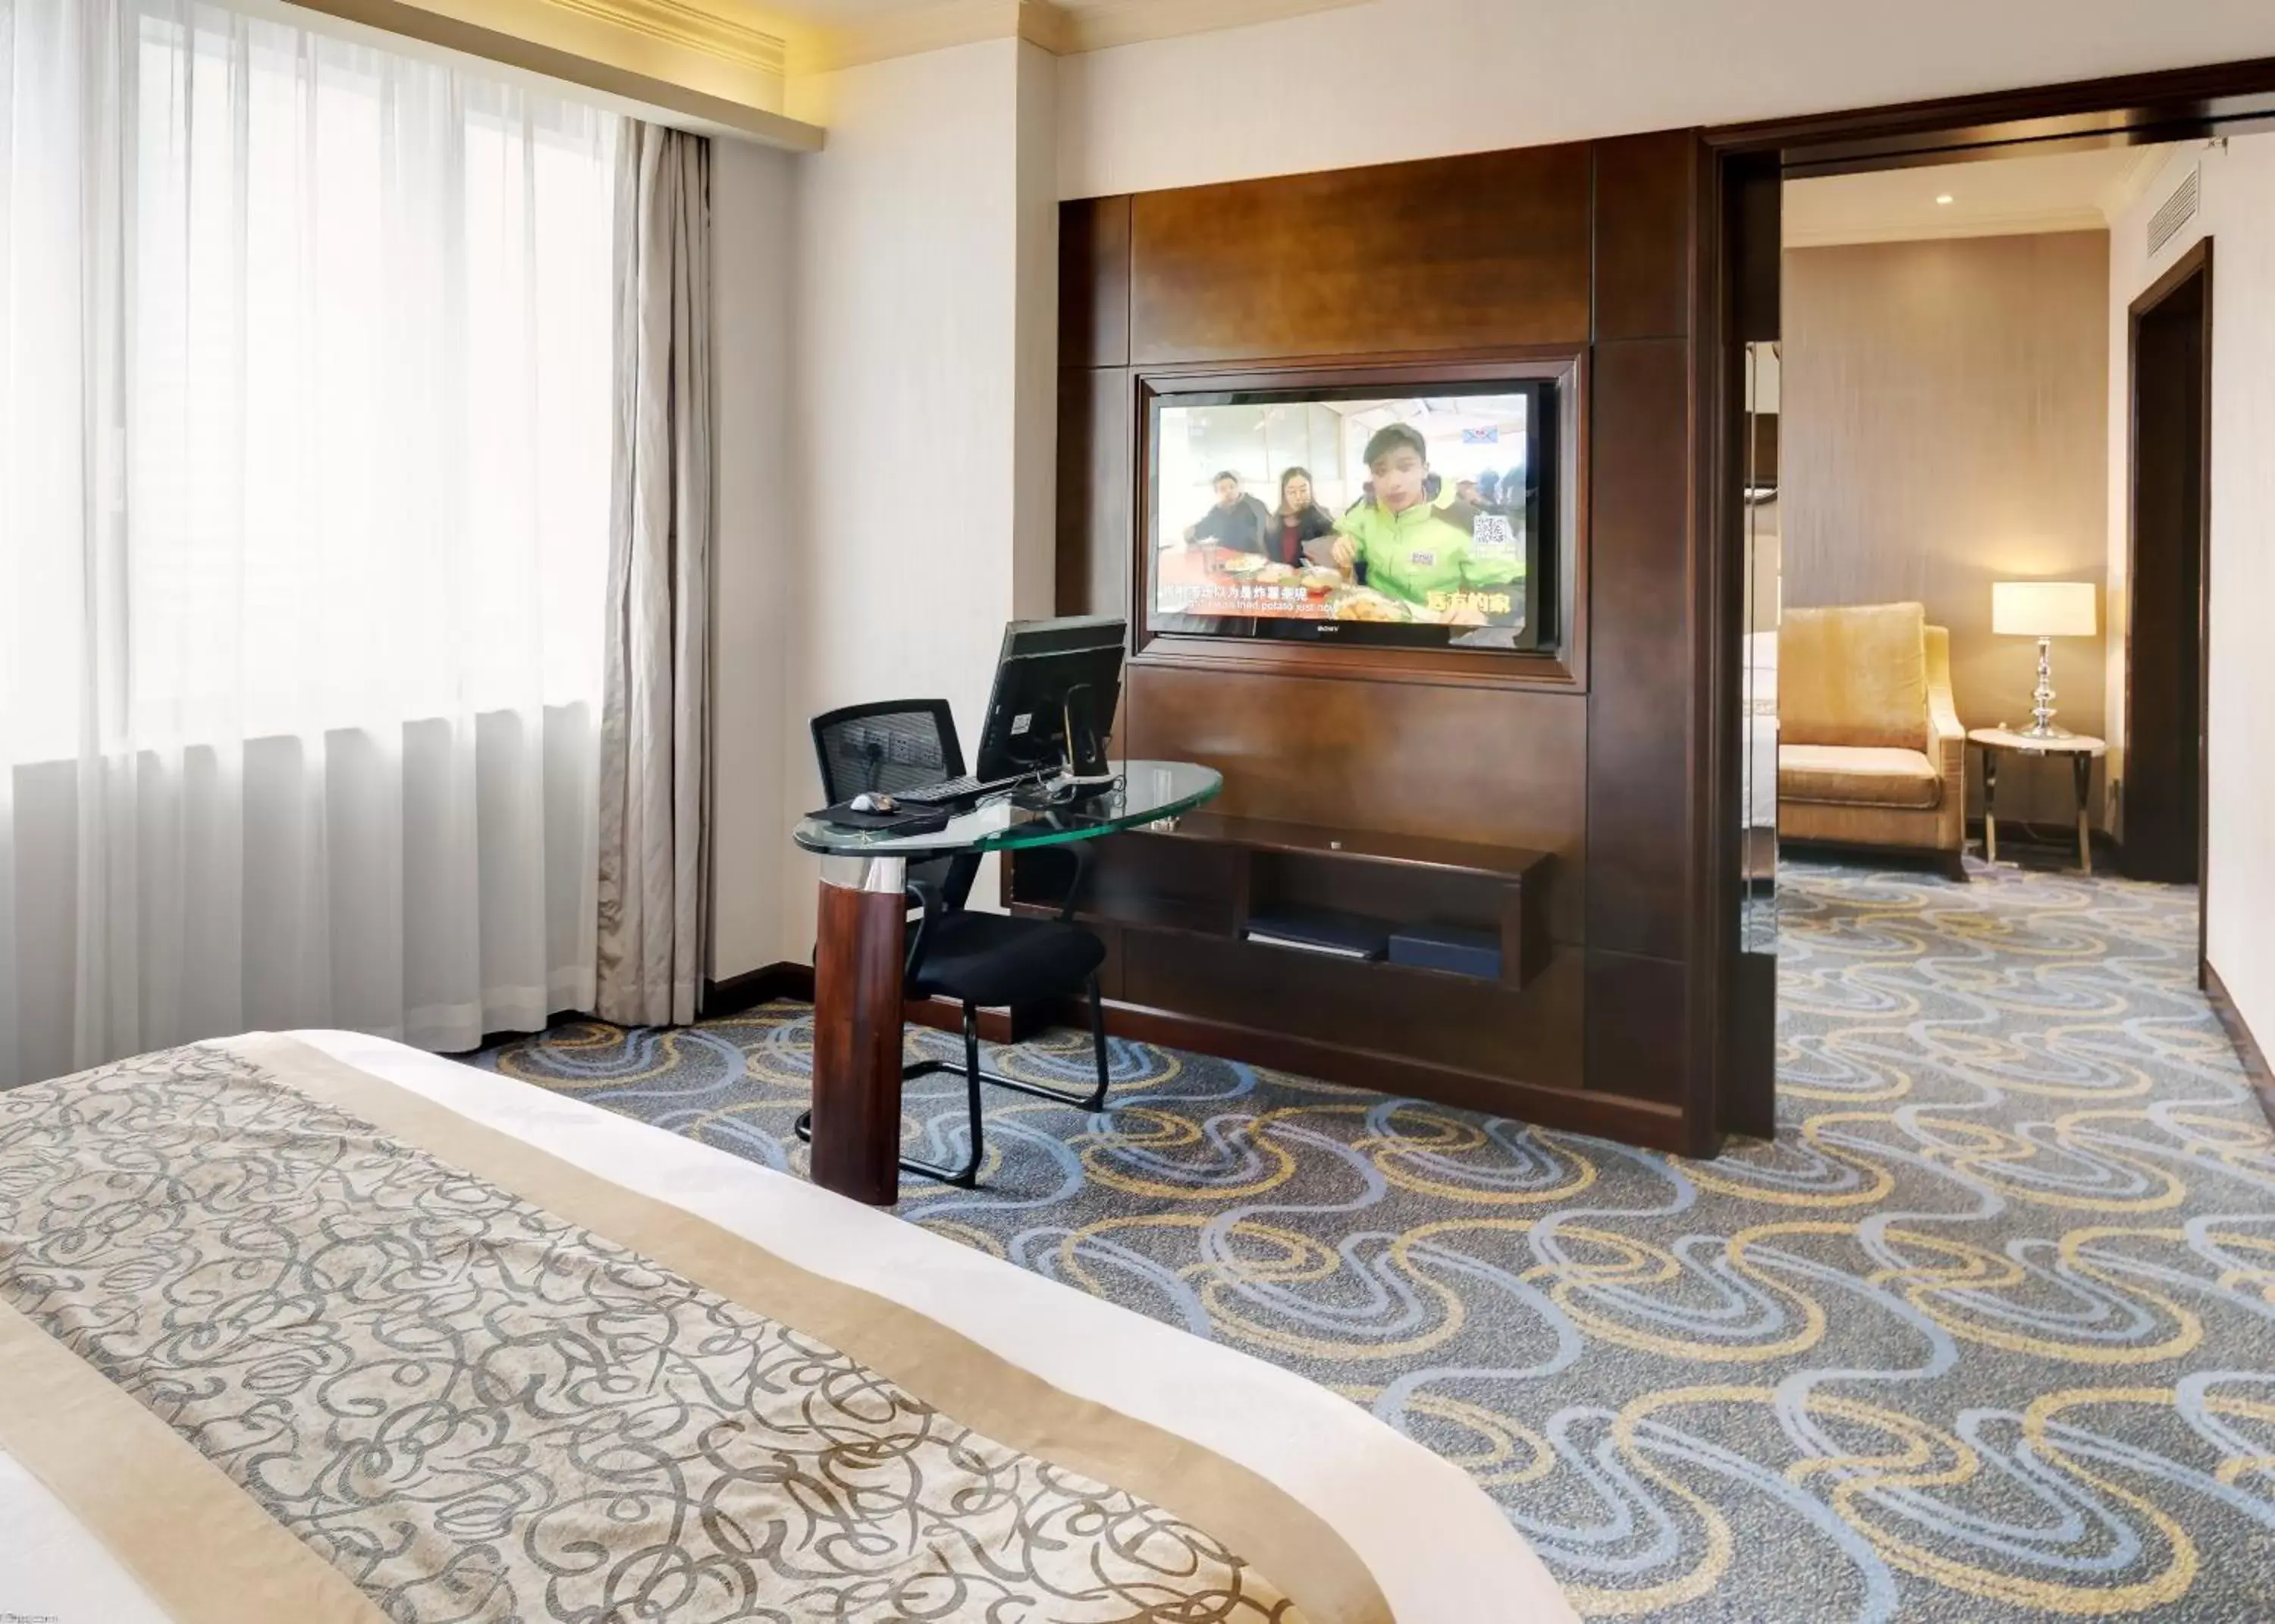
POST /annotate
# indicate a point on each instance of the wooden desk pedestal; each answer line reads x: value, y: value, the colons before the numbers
x: 856, y: 1027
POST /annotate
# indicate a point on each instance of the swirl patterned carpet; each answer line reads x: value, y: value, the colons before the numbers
x: 1988, y: 1333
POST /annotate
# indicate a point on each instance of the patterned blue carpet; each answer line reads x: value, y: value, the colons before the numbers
x: 1987, y: 1334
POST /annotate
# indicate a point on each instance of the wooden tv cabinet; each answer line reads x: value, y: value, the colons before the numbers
x: 1173, y: 902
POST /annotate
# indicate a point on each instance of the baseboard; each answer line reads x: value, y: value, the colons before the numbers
x: 996, y: 1025
x: 753, y: 987
x: 2256, y: 1068
x: 1632, y: 1122
x: 788, y: 979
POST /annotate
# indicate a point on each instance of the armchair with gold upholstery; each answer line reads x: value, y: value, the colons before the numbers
x: 1871, y: 752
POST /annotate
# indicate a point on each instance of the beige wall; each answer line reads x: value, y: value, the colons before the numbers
x: 918, y: 317
x: 1180, y: 112
x: 1944, y: 426
x: 750, y: 712
x: 2238, y: 214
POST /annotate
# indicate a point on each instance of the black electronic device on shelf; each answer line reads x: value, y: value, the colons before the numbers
x: 1316, y: 930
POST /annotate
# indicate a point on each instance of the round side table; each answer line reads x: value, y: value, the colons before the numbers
x: 2080, y: 748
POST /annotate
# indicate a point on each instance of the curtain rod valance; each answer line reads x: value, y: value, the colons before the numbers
x: 725, y: 88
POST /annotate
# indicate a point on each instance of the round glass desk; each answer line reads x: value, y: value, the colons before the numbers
x: 861, y: 935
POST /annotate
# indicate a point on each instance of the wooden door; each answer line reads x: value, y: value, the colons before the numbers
x: 2163, y: 812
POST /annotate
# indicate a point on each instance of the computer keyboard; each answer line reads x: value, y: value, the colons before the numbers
x: 959, y: 792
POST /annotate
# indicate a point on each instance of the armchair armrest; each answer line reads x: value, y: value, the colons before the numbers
x: 1947, y: 743
x: 1946, y: 734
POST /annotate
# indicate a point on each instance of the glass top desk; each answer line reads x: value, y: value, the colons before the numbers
x: 862, y: 935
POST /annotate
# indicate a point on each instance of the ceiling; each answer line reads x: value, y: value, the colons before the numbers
x: 832, y: 34
x: 2002, y: 197
x: 840, y: 12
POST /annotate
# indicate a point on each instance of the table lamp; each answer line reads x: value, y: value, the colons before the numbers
x: 2045, y: 610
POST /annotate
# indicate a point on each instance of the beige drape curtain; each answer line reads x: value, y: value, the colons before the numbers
x: 654, y: 699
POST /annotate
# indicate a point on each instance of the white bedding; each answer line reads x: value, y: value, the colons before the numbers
x: 1442, y: 1552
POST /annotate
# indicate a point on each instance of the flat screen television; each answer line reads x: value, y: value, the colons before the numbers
x: 1418, y: 515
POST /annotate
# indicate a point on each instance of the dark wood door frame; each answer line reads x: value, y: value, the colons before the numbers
x: 2194, y: 268
x: 2131, y: 110
x: 1737, y: 298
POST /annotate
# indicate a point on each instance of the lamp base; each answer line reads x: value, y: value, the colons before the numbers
x: 2041, y: 714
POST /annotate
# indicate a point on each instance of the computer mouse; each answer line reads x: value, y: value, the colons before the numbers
x: 866, y: 802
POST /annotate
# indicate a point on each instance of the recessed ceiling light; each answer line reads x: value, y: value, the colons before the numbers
x: 1943, y: 197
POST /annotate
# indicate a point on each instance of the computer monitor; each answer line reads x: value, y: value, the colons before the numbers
x: 1057, y: 685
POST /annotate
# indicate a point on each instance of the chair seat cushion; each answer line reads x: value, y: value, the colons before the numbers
x: 994, y: 959
x: 1857, y: 775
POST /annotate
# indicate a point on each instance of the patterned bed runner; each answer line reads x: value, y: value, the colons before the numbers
x: 370, y: 1314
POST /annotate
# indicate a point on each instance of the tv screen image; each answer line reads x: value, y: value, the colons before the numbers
x: 1420, y: 519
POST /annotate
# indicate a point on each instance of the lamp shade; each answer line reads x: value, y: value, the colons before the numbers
x: 2043, y: 608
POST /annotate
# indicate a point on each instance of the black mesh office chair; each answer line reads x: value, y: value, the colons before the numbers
x: 981, y: 960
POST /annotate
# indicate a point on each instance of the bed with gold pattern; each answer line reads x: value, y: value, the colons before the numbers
x: 306, y: 1328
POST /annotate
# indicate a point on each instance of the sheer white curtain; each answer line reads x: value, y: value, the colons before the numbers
x: 305, y: 417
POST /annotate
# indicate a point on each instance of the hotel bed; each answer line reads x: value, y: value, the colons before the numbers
x: 1271, y: 1496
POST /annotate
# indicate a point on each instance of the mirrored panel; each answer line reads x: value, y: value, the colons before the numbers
x: 1759, y: 727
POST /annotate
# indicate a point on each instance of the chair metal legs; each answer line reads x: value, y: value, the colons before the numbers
x: 967, y: 1176
x: 1092, y: 1101
x: 1098, y: 1043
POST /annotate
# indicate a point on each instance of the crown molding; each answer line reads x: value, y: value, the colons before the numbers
x: 1101, y: 25
x: 691, y: 69
x: 940, y: 26
x: 1063, y: 27
x: 689, y: 28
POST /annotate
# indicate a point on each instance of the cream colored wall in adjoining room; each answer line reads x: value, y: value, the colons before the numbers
x: 2238, y: 214
x: 1942, y: 427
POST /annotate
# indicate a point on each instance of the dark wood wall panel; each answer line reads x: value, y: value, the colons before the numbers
x: 1637, y: 1042
x: 1095, y: 283
x: 1597, y: 246
x: 1639, y: 675
x: 1480, y: 765
x: 1448, y: 254
x: 1094, y: 490
x: 1643, y: 189
x: 1471, y: 1026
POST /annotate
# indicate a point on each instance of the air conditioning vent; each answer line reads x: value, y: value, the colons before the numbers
x: 2176, y: 212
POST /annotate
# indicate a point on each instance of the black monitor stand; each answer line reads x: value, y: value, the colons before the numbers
x: 1082, y: 741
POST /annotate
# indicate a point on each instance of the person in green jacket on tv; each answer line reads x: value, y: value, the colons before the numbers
x: 1428, y: 553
